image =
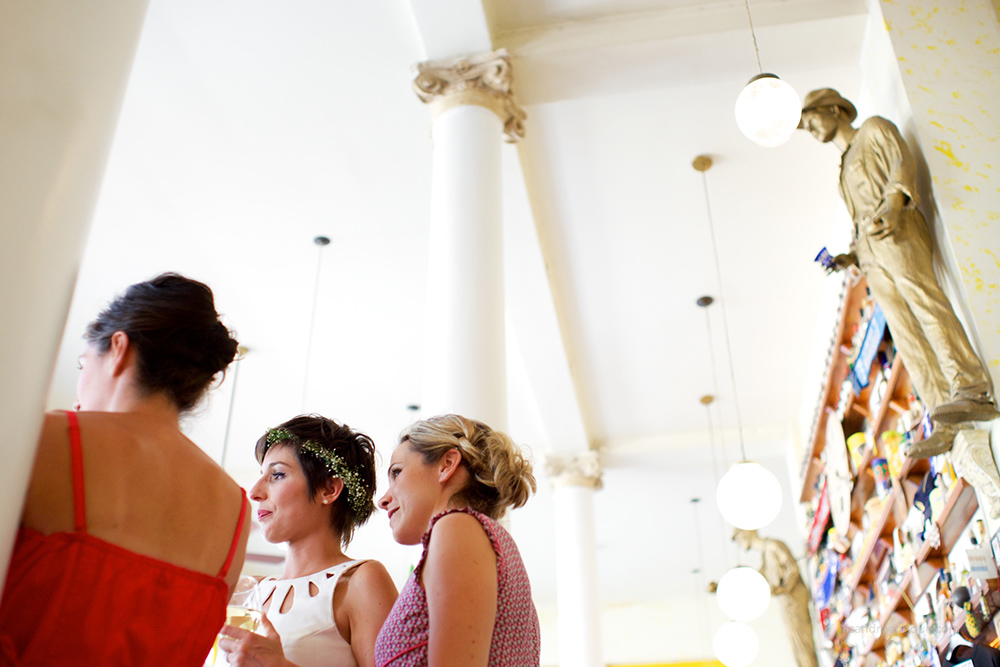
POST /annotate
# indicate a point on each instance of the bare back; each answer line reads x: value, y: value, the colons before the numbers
x: 148, y: 489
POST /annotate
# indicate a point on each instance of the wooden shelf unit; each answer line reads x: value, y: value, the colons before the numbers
x: 850, y: 317
x: 955, y: 516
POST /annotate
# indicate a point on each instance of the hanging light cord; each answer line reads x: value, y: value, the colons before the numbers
x: 711, y: 443
x: 240, y: 353
x: 715, y: 390
x: 760, y: 70
x: 715, y: 473
x: 322, y: 242
x: 697, y: 536
x: 725, y: 321
x: 701, y: 562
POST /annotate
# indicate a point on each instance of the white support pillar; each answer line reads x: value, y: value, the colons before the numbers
x: 63, y: 71
x: 464, y: 364
x: 574, y: 480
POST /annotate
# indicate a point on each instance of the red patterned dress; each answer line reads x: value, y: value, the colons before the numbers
x: 516, y: 637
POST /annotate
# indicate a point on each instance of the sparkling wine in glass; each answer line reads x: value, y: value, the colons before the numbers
x: 240, y: 613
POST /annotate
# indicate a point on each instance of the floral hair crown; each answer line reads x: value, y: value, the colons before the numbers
x: 331, y: 461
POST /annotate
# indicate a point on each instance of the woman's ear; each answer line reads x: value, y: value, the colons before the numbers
x: 449, y: 464
x: 120, y: 352
x: 334, y: 487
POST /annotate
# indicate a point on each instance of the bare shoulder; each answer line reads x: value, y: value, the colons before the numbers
x: 370, y: 592
x: 369, y: 575
x: 53, y: 447
x: 55, y: 430
x: 48, y: 501
x: 458, y: 526
x: 459, y: 540
x: 368, y: 584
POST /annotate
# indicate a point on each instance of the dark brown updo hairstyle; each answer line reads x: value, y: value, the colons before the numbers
x: 354, y: 449
x: 499, y: 474
x: 172, y: 325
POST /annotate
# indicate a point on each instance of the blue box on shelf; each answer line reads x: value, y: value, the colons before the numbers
x: 861, y: 369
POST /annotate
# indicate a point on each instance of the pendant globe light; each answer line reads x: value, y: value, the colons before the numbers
x: 768, y: 109
x: 749, y: 495
x: 743, y: 594
x: 735, y: 644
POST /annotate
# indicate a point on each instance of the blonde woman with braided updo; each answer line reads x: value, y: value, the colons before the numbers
x: 317, y: 485
x: 468, y: 601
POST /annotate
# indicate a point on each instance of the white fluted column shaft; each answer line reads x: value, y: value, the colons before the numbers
x: 465, y: 368
x: 574, y: 481
x: 465, y: 365
x: 63, y: 71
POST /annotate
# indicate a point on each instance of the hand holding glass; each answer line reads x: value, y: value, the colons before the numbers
x: 238, y: 615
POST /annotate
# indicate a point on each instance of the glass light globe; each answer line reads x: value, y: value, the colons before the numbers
x: 749, y: 496
x: 743, y: 594
x: 768, y: 110
x: 735, y: 644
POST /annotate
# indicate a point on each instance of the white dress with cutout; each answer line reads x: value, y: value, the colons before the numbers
x: 309, y: 634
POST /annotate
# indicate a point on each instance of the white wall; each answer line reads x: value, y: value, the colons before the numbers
x: 672, y: 631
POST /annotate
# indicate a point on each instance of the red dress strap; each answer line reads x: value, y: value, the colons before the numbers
x: 236, y: 537
x: 76, y: 461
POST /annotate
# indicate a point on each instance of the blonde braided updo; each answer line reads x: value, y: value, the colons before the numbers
x: 499, y: 474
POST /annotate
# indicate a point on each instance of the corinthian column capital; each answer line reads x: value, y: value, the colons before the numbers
x: 482, y: 80
x: 583, y: 469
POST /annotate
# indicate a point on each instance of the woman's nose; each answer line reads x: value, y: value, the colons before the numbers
x: 383, y: 502
x: 256, y: 492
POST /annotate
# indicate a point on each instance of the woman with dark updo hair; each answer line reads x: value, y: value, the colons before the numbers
x: 131, y: 537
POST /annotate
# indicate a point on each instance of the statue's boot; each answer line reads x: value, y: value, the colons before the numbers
x: 965, y: 410
x: 938, y: 442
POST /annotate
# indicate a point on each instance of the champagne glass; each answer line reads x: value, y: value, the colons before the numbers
x: 241, y: 612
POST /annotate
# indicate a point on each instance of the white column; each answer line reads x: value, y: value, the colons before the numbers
x: 464, y: 364
x: 574, y: 480
x: 63, y: 71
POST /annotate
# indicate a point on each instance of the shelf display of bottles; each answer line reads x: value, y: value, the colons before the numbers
x: 889, y: 536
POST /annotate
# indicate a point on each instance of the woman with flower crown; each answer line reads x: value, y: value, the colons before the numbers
x: 316, y: 486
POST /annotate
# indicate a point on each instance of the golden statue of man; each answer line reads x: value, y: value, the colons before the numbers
x: 779, y: 568
x: 893, y: 248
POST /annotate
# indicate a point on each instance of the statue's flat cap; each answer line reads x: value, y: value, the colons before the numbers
x: 827, y: 97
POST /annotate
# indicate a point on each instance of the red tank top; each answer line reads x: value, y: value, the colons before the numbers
x: 74, y: 599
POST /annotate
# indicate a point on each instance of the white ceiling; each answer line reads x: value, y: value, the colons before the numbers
x: 249, y: 128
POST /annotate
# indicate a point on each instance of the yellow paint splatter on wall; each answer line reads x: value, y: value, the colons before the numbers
x: 944, y: 148
x: 974, y: 278
x: 993, y: 255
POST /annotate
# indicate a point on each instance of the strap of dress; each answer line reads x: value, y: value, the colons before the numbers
x: 76, y: 461
x: 236, y: 537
